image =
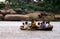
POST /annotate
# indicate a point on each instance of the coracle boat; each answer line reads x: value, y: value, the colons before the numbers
x: 46, y: 29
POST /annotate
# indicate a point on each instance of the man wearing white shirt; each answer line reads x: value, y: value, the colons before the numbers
x: 26, y: 26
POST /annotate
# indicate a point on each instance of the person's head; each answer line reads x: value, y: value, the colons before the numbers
x: 33, y: 20
x: 38, y: 23
x: 48, y: 22
x: 43, y: 22
x: 26, y: 22
x: 23, y: 23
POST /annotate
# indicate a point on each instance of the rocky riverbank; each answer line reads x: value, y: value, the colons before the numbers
x: 11, y: 15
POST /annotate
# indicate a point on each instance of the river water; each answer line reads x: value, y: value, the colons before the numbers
x: 10, y: 30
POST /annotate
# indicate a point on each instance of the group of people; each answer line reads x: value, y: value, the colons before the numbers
x: 42, y: 24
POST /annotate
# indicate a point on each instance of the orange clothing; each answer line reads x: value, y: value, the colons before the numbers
x: 34, y: 24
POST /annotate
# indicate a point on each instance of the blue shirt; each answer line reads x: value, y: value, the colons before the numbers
x: 43, y: 25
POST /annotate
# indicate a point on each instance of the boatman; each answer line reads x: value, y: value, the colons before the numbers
x: 33, y: 24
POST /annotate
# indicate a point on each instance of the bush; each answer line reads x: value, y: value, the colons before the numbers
x: 2, y: 6
x: 47, y: 5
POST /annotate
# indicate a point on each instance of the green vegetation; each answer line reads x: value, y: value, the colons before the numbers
x: 46, y: 5
x: 2, y: 6
x: 53, y: 5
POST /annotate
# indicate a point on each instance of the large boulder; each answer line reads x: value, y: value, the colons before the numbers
x: 57, y: 16
x: 7, y: 11
x: 34, y: 14
x: 16, y: 17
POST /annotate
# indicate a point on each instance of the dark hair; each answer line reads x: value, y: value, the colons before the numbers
x: 26, y: 22
x: 23, y: 23
x: 38, y: 23
x: 48, y: 22
x: 43, y: 22
x: 32, y: 20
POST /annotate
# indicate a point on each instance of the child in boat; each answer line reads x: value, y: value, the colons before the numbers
x: 26, y: 26
x: 43, y: 25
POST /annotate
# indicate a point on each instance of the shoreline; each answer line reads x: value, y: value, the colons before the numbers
x: 23, y: 21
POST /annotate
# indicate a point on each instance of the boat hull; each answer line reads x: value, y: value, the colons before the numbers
x: 46, y: 29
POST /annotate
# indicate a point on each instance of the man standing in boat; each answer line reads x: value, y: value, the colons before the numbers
x: 33, y: 24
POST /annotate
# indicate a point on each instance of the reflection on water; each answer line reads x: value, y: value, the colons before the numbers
x: 10, y: 30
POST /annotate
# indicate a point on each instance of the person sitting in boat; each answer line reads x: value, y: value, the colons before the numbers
x: 48, y: 24
x: 43, y: 25
x: 23, y: 24
x: 33, y: 24
x: 26, y: 26
x: 39, y: 24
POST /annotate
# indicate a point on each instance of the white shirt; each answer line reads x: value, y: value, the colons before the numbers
x: 47, y: 25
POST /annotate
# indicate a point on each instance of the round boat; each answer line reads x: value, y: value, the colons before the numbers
x: 46, y: 29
